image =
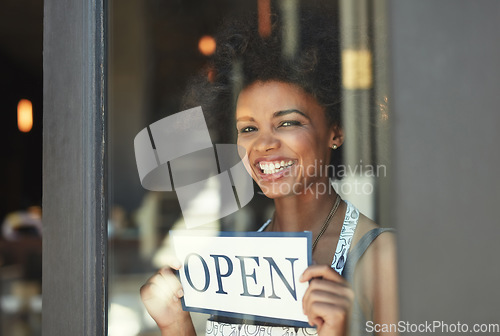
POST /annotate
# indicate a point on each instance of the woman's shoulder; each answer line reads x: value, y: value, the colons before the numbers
x: 375, y: 249
x: 364, y: 226
x: 378, y: 261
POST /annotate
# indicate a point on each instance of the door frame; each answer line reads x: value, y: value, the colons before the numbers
x: 74, y: 168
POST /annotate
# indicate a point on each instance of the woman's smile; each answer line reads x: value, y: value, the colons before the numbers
x: 271, y: 169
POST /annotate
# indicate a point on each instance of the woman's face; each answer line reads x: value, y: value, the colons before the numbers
x: 287, y: 138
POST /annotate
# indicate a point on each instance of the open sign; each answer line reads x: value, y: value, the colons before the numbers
x: 239, y: 274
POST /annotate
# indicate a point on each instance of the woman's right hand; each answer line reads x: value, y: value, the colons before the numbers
x: 161, y: 295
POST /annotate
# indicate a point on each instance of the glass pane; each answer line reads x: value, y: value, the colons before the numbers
x: 157, y: 51
x: 21, y: 97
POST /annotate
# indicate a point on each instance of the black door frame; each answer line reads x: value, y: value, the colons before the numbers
x: 74, y: 168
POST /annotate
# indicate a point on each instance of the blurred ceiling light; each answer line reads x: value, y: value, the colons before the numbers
x: 207, y: 45
x: 24, y: 115
x: 264, y: 10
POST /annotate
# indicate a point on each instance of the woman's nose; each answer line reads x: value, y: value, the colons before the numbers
x: 266, y: 142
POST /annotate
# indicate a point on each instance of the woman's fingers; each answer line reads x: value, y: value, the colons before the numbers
x: 318, y: 322
x: 328, y: 318
x: 340, y: 289
x: 325, y: 284
x: 148, y: 292
x: 328, y: 300
x: 329, y: 292
x: 166, y: 284
x: 331, y: 298
x: 172, y: 262
x: 160, y: 295
x: 162, y: 287
x: 321, y: 271
x: 173, y: 283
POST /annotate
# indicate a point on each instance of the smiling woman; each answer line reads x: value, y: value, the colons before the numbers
x: 283, y: 92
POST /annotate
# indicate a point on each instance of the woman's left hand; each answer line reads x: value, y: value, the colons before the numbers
x: 327, y: 301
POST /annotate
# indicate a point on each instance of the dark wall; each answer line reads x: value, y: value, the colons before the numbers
x: 21, y: 153
x: 446, y: 77
x: 21, y: 33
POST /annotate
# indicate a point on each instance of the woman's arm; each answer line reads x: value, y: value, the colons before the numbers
x: 376, y: 278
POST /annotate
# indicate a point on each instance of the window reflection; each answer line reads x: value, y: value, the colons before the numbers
x: 155, y: 48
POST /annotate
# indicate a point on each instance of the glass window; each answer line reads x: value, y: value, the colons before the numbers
x: 156, y: 49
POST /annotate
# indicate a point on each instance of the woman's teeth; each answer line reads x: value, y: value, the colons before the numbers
x: 274, y: 167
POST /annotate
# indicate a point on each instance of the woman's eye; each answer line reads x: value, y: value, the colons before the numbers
x: 247, y: 129
x: 288, y: 123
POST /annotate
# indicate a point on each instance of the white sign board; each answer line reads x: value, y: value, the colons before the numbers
x: 237, y: 274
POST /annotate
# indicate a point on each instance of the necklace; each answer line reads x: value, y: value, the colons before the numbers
x: 325, y: 224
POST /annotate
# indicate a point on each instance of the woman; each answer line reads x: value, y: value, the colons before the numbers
x: 287, y: 114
